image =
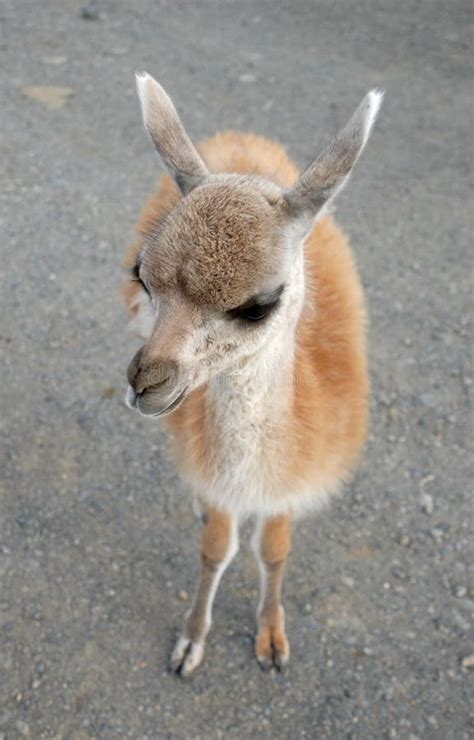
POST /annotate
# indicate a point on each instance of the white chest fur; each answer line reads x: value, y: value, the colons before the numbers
x: 252, y: 451
x: 248, y: 409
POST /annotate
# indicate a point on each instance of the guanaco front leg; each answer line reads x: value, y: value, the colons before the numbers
x: 218, y: 547
x: 272, y: 543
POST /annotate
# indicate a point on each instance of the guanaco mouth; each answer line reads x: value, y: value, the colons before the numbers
x: 172, y: 406
x: 131, y: 399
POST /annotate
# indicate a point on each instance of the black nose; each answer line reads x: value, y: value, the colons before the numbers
x: 152, y: 374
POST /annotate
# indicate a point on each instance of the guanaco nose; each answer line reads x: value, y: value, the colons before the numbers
x: 153, y: 374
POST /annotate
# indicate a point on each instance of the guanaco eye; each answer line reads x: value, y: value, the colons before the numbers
x: 137, y: 279
x: 252, y: 313
x: 257, y: 308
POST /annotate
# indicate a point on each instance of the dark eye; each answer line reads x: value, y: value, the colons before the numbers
x: 253, y: 313
x: 256, y: 308
x: 137, y: 279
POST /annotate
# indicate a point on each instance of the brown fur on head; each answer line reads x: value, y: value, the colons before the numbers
x: 221, y: 245
x: 215, y: 271
x: 224, y: 269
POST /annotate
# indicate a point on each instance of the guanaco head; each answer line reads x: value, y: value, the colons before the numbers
x: 223, y: 272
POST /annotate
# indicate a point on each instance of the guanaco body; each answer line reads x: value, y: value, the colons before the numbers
x: 248, y: 299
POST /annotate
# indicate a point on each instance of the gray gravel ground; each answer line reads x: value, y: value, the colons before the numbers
x: 97, y: 534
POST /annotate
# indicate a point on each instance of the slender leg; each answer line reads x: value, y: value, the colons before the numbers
x: 272, y: 543
x: 218, y: 547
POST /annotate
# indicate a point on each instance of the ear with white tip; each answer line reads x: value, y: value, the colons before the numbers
x: 168, y: 135
x: 329, y: 172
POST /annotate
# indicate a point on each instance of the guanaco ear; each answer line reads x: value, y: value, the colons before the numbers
x: 329, y: 172
x: 168, y: 135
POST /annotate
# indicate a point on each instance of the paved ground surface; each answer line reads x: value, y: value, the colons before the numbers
x: 97, y: 534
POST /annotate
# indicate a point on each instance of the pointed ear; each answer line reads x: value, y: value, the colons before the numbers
x: 329, y: 172
x: 168, y: 135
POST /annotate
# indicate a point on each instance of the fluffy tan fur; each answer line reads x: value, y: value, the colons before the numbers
x: 329, y: 412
